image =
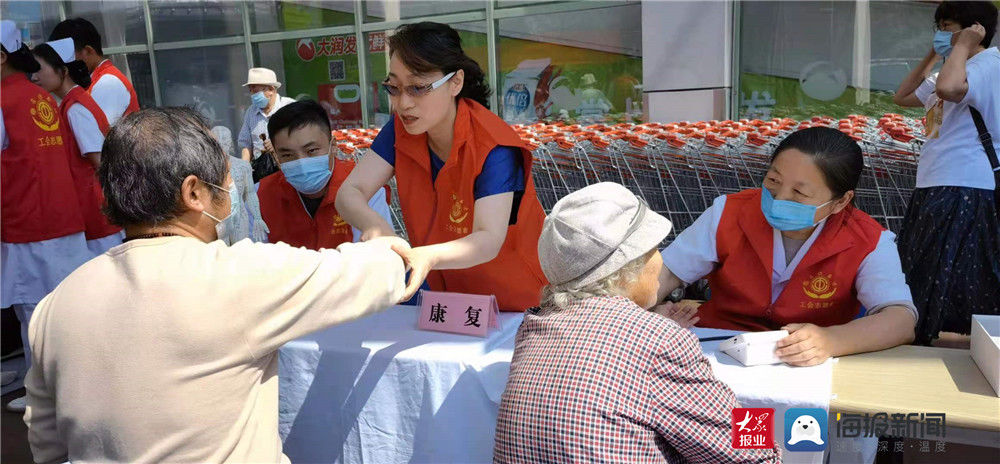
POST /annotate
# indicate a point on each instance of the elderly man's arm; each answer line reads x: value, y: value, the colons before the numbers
x: 690, y: 408
x: 296, y: 291
x: 40, y: 416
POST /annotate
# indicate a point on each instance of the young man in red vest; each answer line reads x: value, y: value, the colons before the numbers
x: 297, y: 204
x: 110, y: 88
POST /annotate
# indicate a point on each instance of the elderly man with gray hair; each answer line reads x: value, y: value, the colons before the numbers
x: 164, y: 349
x: 596, y: 376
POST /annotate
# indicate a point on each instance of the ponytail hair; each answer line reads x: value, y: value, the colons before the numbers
x: 76, y: 70
x: 21, y: 59
x: 427, y: 47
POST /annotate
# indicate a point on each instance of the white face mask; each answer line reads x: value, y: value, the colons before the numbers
x: 224, y: 227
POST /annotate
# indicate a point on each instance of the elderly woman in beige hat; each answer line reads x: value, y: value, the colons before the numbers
x: 263, y: 85
x: 596, y: 376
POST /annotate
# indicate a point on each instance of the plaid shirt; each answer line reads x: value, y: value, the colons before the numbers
x: 606, y: 381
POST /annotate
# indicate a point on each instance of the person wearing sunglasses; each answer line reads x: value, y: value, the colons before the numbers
x: 797, y: 255
x: 463, y: 175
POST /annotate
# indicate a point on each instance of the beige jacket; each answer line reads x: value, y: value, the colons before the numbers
x: 165, y: 350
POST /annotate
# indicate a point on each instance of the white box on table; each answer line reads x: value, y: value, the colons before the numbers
x: 754, y: 348
x: 985, y: 347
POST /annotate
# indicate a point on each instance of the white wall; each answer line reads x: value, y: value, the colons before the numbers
x: 687, y: 56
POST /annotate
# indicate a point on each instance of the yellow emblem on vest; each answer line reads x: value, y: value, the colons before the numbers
x: 458, y: 210
x: 820, y: 286
x: 43, y: 115
x: 338, y: 221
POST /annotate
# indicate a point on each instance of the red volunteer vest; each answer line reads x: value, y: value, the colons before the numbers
x: 107, y: 68
x: 37, y: 198
x: 288, y: 221
x: 442, y: 211
x: 821, y: 290
x: 88, y: 189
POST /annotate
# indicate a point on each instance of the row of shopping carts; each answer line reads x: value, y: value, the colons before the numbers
x: 680, y: 168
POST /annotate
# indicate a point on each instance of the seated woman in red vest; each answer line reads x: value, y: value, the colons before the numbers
x: 66, y: 77
x: 463, y: 175
x: 797, y: 255
x: 297, y: 203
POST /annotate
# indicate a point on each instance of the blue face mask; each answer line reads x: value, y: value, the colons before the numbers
x: 787, y: 215
x: 942, y: 43
x: 224, y: 228
x: 259, y: 100
x: 308, y: 175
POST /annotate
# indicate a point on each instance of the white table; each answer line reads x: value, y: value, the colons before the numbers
x: 378, y: 390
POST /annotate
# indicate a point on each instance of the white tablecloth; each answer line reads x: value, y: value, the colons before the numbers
x: 378, y: 390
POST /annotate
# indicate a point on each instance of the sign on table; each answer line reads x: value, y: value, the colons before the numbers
x: 459, y: 313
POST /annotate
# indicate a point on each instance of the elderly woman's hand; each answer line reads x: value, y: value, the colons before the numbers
x: 684, y: 314
x: 805, y: 345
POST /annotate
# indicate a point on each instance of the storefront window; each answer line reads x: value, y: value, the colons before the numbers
x: 119, y: 22
x: 189, y: 20
x: 803, y: 59
x: 209, y: 79
x: 392, y: 10
x: 272, y: 16
x: 581, y: 66
x: 136, y: 67
x: 323, y: 68
x: 36, y: 19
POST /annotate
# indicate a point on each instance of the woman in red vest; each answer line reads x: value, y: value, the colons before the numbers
x: 463, y: 175
x: 797, y: 255
x: 66, y: 77
x: 41, y: 229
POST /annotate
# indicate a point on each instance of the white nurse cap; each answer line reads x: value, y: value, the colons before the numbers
x: 64, y: 48
x: 10, y: 36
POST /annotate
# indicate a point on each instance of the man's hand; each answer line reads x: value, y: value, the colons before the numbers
x: 971, y: 36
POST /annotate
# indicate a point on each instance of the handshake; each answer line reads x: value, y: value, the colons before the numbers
x: 418, y: 261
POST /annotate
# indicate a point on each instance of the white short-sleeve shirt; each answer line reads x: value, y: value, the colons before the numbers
x: 955, y: 157
x: 87, y: 133
x: 112, y: 96
x: 879, y: 283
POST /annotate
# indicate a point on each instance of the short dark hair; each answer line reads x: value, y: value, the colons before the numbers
x: 148, y: 154
x: 21, y: 59
x: 81, y: 31
x: 968, y: 13
x: 427, y: 46
x: 296, y: 116
x: 76, y: 69
x: 837, y: 155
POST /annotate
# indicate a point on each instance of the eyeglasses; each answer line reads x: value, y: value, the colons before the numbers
x: 416, y: 90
